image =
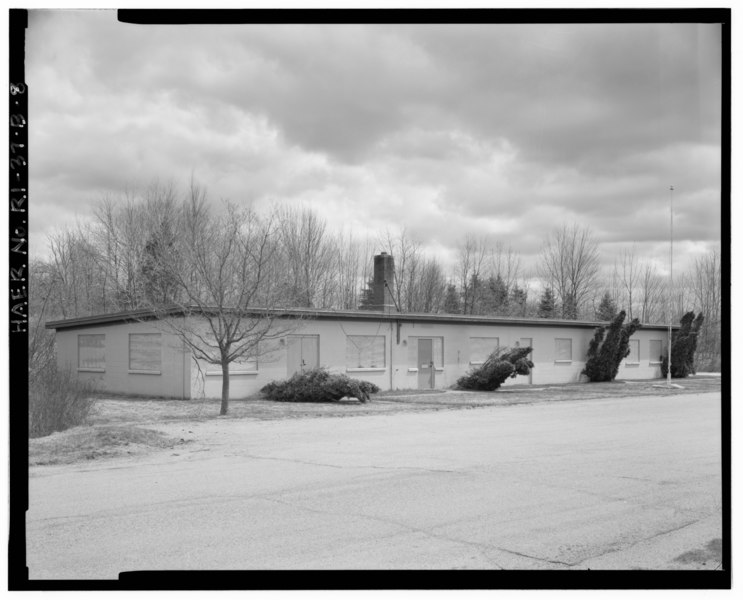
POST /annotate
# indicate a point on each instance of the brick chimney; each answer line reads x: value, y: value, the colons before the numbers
x: 384, y: 271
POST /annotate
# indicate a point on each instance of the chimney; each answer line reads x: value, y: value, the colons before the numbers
x: 384, y: 272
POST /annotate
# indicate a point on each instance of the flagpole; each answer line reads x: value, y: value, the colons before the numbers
x: 670, y: 295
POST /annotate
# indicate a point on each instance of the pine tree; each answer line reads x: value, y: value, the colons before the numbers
x: 518, y: 301
x: 499, y: 366
x: 494, y: 297
x: 606, y: 310
x: 451, y: 301
x: 683, y: 347
x: 608, y: 348
x: 158, y: 284
x: 546, y: 308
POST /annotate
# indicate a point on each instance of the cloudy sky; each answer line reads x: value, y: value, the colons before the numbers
x: 446, y: 130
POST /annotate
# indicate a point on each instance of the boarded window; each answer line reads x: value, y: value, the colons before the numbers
x: 438, y: 351
x: 365, y: 352
x: 145, y: 352
x: 244, y: 364
x: 656, y: 351
x: 563, y: 349
x: 633, y: 358
x: 481, y: 348
x: 91, y: 351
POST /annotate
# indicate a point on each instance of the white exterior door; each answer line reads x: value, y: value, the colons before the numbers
x: 302, y: 353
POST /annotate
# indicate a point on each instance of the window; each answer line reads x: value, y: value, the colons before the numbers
x: 91, y: 352
x: 438, y: 351
x: 145, y: 352
x: 563, y: 350
x: 656, y: 351
x: 633, y: 358
x: 365, y: 352
x: 481, y: 348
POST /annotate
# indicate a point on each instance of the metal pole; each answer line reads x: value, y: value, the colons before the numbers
x: 670, y: 296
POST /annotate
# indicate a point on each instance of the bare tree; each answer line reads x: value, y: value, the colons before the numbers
x: 310, y: 257
x: 229, y: 302
x: 627, y: 273
x: 706, y: 285
x: 406, y: 253
x: 427, y: 289
x: 569, y: 264
x: 651, y: 293
x: 471, y: 263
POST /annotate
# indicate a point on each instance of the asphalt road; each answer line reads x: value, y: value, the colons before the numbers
x: 602, y: 484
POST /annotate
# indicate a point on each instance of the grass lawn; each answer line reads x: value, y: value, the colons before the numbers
x: 119, y: 427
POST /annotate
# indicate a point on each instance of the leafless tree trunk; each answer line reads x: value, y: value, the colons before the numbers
x: 628, y: 274
x: 471, y: 262
x: 224, y: 267
x: 310, y: 255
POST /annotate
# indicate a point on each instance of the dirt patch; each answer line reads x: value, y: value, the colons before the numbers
x: 91, y: 443
x: 711, y: 554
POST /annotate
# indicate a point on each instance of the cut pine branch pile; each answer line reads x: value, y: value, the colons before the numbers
x: 499, y: 366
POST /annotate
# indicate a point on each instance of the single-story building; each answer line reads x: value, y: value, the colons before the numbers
x: 134, y: 352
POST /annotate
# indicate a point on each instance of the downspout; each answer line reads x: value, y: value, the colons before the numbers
x: 183, y: 365
x: 391, y: 361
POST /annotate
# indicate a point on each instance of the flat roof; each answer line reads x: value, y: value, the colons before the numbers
x: 327, y: 314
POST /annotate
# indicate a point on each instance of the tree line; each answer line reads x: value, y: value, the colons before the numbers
x: 158, y: 247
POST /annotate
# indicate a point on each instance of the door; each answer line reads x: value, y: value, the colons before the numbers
x: 426, y: 371
x: 523, y: 343
x: 302, y: 353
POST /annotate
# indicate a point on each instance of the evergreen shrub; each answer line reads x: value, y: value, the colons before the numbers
x: 683, y: 347
x: 317, y: 385
x: 499, y: 366
x: 608, y: 348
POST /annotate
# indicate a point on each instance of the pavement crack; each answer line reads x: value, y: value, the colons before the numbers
x: 625, y: 547
x: 481, y: 547
x: 336, y: 466
x: 547, y: 560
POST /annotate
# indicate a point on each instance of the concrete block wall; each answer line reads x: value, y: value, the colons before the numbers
x: 171, y: 382
x: 182, y: 376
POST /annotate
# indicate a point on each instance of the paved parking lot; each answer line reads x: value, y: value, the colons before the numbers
x: 616, y: 483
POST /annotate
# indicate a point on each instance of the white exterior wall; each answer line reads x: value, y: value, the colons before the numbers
x: 272, y: 365
x: 183, y: 377
x: 399, y: 373
x: 174, y: 374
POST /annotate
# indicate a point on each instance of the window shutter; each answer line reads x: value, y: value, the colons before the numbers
x: 563, y: 349
x: 91, y: 351
x: 145, y: 351
x: 482, y: 347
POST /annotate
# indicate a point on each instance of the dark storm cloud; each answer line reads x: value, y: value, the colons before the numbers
x: 447, y: 130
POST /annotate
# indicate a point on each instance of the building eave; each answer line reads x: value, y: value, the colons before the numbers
x: 325, y: 314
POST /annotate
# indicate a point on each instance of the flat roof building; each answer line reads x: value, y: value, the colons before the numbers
x: 134, y: 352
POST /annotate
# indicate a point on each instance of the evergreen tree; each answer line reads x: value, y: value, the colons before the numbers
x: 451, y: 301
x: 499, y: 366
x: 608, y: 348
x: 607, y: 310
x: 366, y: 302
x: 494, y: 300
x: 683, y: 346
x: 518, y: 301
x: 476, y: 296
x: 546, y: 308
x: 158, y: 283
